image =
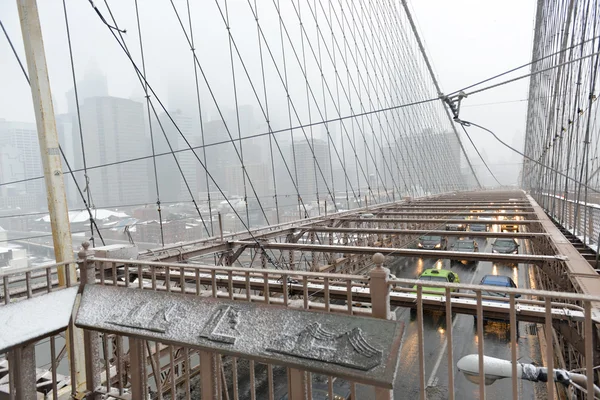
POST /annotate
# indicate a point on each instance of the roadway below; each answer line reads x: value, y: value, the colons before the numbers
x: 465, y: 339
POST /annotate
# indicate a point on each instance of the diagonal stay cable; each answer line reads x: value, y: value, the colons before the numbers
x: 468, y: 123
x: 311, y: 148
x: 144, y: 87
x: 479, y: 154
x: 143, y: 78
x: 320, y: 67
x: 156, y: 185
x: 215, y: 102
x: 103, y: 165
x: 87, y: 189
x: 354, y: 116
x: 87, y: 207
x: 523, y: 65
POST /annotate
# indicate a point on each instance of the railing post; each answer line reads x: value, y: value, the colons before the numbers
x: 378, y: 284
x: 21, y: 363
x: 137, y: 368
x: 380, y: 303
x: 297, y: 384
x: 91, y: 341
x: 208, y: 375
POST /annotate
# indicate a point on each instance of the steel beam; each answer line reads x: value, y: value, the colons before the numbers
x: 458, y: 208
x: 396, y: 252
x: 439, y: 221
x: 389, y: 231
x: 458, y: 214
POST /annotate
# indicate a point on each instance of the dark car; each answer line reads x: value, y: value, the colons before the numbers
x: 467, y: 246
x: 505, y: 246
x: 456, y: 224
x: 478, y: 227
x: 432, y: 243
x: 501, y: 281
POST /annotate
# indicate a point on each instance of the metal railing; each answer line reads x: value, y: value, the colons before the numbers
x: 580, y: 218
x: 170, y: 371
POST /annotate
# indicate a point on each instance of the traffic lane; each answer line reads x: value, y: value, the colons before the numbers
x: 497, y: 342
x: 434, y: 324
x: 464, y: 335
x: 496, y: 338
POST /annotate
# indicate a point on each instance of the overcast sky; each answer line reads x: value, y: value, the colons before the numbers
x: 467, y: 41
x: 471, y: 40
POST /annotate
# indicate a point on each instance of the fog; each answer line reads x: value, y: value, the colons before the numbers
x: 289, y: 65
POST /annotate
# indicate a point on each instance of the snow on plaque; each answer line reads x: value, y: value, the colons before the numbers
x: 221, y: 327
x: 348, y: 349
x: 144, y: 317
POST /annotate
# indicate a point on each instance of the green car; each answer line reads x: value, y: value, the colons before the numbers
x: 438, y: 275
x: 435, y: 275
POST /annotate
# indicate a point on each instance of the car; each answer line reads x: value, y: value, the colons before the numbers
x: 501, y: 281
x: 438, y: 275
x: 432, y: 243
x: 435, y: 275
x: 505, y: 246
x: 458, y: 225
x: 478, y: 227
x: 465, y: 245
x: 508, y: 227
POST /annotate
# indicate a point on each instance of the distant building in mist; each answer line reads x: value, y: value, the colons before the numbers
x: 259, y: 175
x: 114, y: 131
x: 94, y: 84
x: 172, y: 186
x: 416, y: 153
x: 314, y: 170
x: 20, y: 159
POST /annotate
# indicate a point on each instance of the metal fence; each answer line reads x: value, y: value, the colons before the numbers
x: 163, y: 371
x: 580, y: 218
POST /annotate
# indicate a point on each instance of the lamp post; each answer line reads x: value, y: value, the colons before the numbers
x: 496, y: 368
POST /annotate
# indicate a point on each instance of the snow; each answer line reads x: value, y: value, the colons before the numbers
x: 83, y: 216
x: 33, y: 318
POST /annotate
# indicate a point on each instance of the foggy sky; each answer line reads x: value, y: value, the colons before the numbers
x: 469, y: 41
x: 466, y: 40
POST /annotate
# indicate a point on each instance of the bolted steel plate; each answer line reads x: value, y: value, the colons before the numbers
x: 359, y: 349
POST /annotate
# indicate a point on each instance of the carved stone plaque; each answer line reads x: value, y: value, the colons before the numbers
x: 221, y: 327
x: 360, y: 349
x: 145, y: 317
x: 349, y: 349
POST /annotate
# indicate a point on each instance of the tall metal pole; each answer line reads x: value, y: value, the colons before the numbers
x: 53, y: 175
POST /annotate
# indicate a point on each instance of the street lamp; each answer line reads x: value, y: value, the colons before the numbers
x: 496, y: 368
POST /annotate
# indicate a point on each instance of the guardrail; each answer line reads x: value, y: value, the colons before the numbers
x: 580, y: 218
x: 171, y: 369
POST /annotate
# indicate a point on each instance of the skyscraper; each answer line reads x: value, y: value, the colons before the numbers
x: 21, y: 159
x: 114, y: 131
x: 172, y: 186
x: 314, y: 172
